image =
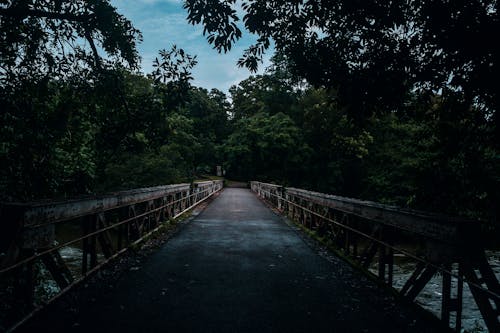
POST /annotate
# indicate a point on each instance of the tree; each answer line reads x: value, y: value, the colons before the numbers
x: 371, y: 52
x: 339, y: 146
x: 141, y: 121
x: 268, y: 148
x: 76, y: 118
x: 438, y: 156
x: 49, y: 62
x: 172, y: 162
x: 263, y: 93
x: 41, y: 38
x: 209, y: 113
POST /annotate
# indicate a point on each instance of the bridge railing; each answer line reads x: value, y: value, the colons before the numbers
x: 374, y: 235
x: 48, y: 247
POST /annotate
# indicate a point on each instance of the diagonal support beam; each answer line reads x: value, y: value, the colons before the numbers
x: 58, y: 269
x: 491, y: 315
x: 417, y: 281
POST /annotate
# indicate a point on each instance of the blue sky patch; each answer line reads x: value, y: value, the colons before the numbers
x: 163, y: 23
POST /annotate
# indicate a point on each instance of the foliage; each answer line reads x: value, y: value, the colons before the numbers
x: 46, y: 138
x: 49, y: 66
x: 208, y: 112
x: 146, y: 138
x: 266, y: 147
x: 404, y: 105
x: 386, y: 101
x: 78, y: 134
x: 175, y: 65
x: 434, y: 154
x: 339, y: 145
x: 439, y: 157
x: 262, y: 93
x: 372, y: 52
x: 171, y: 163
x: 59, y: 37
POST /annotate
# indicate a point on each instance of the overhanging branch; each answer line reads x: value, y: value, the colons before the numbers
x: 24, y: 13
x: 97, y: 59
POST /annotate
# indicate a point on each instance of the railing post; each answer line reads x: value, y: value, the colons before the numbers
x: 89, y: 247
x: 279, y: 197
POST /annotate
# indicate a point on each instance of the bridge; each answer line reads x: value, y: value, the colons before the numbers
x: 239, y: 265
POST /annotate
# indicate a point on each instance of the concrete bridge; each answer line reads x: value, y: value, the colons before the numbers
x: 238, y: 266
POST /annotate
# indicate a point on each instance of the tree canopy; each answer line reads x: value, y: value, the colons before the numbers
x: 56, y: 37
x: 73, y: 107
x: 372, y: 52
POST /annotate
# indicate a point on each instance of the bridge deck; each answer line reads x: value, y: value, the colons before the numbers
x: 237, y: 267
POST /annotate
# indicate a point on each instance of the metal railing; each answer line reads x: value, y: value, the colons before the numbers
x: 370, y: 232
x: 59, y: 244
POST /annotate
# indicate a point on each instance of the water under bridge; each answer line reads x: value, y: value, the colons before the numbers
x: 239, y: 265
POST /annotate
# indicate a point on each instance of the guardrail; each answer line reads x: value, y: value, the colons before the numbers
x: 368, y: 231
x: 36, y: 239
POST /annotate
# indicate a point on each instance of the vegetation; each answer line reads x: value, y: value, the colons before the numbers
x: 387, y: 101
x: 424, y: 157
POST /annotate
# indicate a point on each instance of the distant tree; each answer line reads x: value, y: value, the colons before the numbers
x: 141, y: 117
x: 339, y: 146
x: 266, y: 147
x: 267, y: 93
x: 209, y: 115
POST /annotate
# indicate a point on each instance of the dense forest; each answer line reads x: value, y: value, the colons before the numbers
x: 394, y: 102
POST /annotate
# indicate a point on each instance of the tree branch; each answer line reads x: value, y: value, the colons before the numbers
x: 24, y: 12
x: 97, y: 59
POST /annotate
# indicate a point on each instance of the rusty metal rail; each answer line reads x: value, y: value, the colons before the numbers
x: 36, y: 236
x: 370, y: 232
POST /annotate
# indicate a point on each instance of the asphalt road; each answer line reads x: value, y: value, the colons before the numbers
x: 238, y: 267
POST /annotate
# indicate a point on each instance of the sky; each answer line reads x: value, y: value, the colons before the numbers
x: 163, y: 23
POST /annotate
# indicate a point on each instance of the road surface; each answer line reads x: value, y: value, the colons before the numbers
x: 238, y: 267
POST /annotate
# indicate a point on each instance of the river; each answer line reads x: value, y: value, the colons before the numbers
x: 430, y: 297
